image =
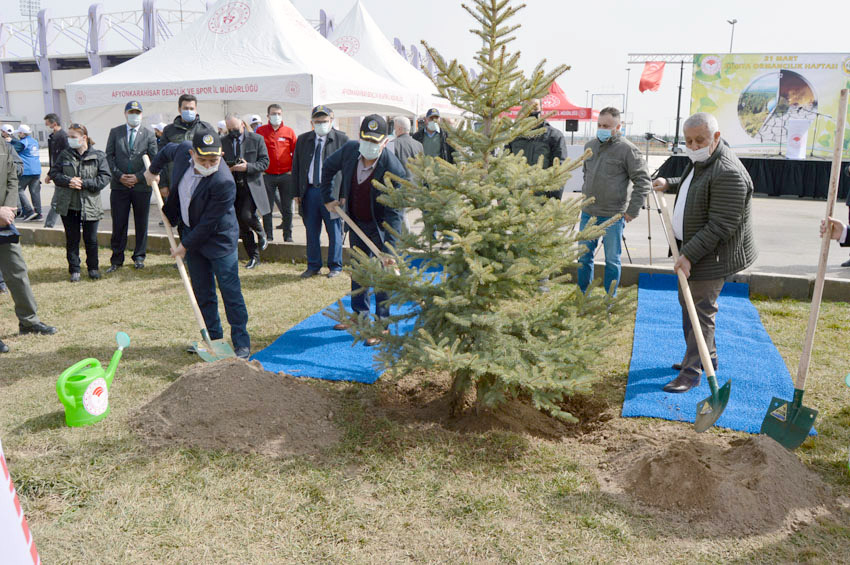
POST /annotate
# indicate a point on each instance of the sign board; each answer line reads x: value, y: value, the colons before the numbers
x: 572, y: 125
x: 755, y: 97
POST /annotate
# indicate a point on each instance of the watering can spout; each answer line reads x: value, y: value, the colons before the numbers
x: 123, y: 341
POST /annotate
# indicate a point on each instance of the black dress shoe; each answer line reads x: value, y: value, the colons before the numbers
x: 112, y: 268
x: 682, y: 383
x: 75, y: 277
x: 252, y: 263
x: 263, y: 242
x: 309, y: 273
x: 94, y: 274
x: 138, y: 264
x: 288, y: 239
x: 333, y: 274
x: 846, y: 263
x: 242, y: 352
x: 38, y: 328
x: 678, y: 366
x: 3, y: 347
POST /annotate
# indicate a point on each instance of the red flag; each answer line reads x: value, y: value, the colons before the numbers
x: 651, y: 77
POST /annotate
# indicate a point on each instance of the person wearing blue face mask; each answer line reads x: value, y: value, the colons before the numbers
x: 361, y: 162
x: 182, y: 129
x: 616, y: 164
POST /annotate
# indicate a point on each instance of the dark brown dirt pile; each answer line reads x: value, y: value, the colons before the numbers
x: 753, y: 485
x: 237, y: 405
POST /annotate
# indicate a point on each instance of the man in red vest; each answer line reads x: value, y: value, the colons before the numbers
x: 280, y: 141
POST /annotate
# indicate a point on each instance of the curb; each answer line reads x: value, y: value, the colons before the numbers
x: 770, y: 285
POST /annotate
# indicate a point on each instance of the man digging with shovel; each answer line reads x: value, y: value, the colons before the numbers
x: 712, y: 223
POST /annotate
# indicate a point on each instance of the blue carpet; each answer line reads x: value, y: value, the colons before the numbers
x: 745, y: 352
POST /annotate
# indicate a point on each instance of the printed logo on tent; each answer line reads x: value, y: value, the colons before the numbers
x: 229, y: 17
x: 710, y: 65
x: 80, y: 97
x: 549, y: 101
x: 348, y: 44
x: 96, y: 398
x: 293, y: 89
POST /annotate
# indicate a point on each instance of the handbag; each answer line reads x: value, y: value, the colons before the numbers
x: 9, y: 234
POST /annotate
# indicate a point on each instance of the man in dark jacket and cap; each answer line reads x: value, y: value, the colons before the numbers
x: 433, y: 137
x: 182, y: 129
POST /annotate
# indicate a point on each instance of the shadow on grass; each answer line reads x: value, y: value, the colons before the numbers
x: 51, y: 421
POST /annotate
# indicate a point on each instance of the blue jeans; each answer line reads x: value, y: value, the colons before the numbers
x: 204, y: 273
x: 612, y: 242
x: 315, y: 214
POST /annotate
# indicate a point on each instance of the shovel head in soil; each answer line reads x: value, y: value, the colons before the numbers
x: 710, y: 409
x: 211, y: 350
x: 789, y: 423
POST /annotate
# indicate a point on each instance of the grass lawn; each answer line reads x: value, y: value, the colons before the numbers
x: 390, y: 492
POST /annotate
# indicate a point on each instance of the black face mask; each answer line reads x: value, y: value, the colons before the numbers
x: 234, y: 133
x: 535, y: 115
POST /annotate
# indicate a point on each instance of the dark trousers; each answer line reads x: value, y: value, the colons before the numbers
x: 360, y: 300
x: 204, y: 273
x: 14, y: 271
x: 120, y: 200
x: 281, y: 185
x: 315, y: 213
x: 246, y: 215
x: 33, y: 182
x: 72, y: 221
x: 705, y: 295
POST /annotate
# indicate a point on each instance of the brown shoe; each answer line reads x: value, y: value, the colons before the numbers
x: 372, y: 341
x: 342, y: 327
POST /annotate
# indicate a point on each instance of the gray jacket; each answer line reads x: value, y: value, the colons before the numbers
x: 607, y: 174
x: 8, y: 177
x: 718, y: 222
x: 405, y: 147
x: 253, y: 149
x: 122, y: 161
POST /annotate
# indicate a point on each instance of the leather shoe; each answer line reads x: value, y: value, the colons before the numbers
x: 333, y: 274
x: 678, y: 366
x: 846, y: 263
x: 38, y: 328
x: 682, y: 383
x: 75, y: 277
x: 94, y: 274
x: 242, y: 352
x: 3, y: 347
x: 112, y: 268
x: 309, y: 273
x: 252, y: 263
x: 342, y: 327
x: 375, y: 340
x: 263, y: 241
x: 288, y: 239
x: 138, y: 264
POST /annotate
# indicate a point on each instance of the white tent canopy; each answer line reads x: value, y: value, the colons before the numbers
x: 359, y: 36
x: 241, y: 56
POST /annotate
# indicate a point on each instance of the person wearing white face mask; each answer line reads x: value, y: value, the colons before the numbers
x: 712, y: 223
x: 126, y: 146
x: 433, y: 137
x: 182, y: 129
x: 311, y: 150
x: 201, y: 205
x: 360, y: 163
x: 280, y: 142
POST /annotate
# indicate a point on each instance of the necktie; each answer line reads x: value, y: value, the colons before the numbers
x: 132, y: 139
x: 317, y: 164
x: 236, y: 147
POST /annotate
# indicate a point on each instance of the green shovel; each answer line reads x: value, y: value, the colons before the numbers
x: 790, y: 423
x: 708, y: 409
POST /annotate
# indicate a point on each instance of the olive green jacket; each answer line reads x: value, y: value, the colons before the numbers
x: 92, y: 168
x: 8, y: 177
x: 718, y: 222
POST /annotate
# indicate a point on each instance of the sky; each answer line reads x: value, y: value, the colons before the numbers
x: 594, y: 40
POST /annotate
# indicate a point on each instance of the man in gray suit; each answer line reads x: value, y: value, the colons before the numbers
x: 125, y: 147
x: 404, y: 146
x: 311, y: 150
x: 246, y: 154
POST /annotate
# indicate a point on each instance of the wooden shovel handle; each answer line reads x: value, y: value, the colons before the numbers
x: 814, y: 312
x: 365, y: 238
x: 704, y: 354
x: 199, y: 318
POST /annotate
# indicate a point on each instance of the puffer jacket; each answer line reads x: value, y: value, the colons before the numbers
x: 92, y: 168
x: 718, y: 220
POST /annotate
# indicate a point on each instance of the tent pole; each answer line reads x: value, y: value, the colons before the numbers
x: 679, y: 108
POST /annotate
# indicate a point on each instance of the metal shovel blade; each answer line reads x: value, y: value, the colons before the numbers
x: 220, y: 350
x: 710, y: 409
x: 789, y: 423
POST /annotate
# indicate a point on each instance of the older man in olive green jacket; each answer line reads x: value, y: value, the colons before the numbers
x: 12, y: 263
x: 713, y: 226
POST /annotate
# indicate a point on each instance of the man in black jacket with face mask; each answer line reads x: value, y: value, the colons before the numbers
x: 182, y: 129
x: 433, y: 137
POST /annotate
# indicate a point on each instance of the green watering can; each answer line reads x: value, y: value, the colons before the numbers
x: 83, y: 388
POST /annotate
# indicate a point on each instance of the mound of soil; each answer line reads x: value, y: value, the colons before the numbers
x: 751, y: 485
x: 236, y: 405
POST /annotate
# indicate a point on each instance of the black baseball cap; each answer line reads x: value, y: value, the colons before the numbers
x: 432, y: 112
x: 206, y: 142
x: 321, y: 110
x: 374, y: 128
x: 133, y: 105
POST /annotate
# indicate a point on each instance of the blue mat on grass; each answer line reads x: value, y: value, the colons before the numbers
x: 744, y: 349
x: 314, y: 349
